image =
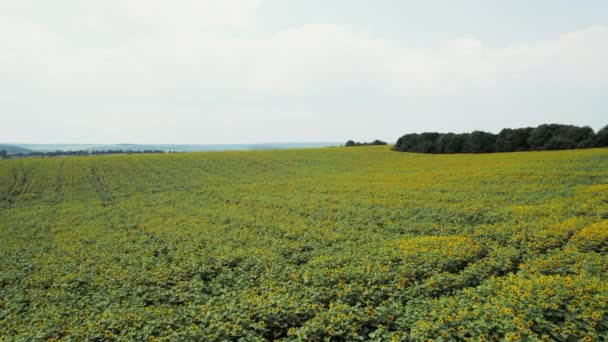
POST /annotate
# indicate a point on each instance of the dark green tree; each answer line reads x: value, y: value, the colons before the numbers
x: 480, y: 142
x: 540, y: 136
x: 543, y: 137
x: 601, y: 139
x: 3, y: 154
x: 511, y: 140
x: 373, y: 143
x: 504, y: 141
x: 519, y: 138
x: 441, y: 145
x: 581, y: 137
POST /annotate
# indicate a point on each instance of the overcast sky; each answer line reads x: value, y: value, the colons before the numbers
x: 242, y: 71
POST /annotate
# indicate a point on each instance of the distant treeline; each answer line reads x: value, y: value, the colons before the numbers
x: 375, y: 142
x: 5, y: 155
x: 543, y: 137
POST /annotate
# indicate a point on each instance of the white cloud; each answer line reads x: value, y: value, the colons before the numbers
x: 171, y: 50
x: 313, y: 58
x: 194, y: 16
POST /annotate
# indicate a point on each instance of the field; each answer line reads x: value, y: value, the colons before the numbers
x: 332, y: 243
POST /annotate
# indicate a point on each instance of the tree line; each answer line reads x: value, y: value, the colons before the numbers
x: 541, y: 138
x: 351, y: 143
x: 5, y: 155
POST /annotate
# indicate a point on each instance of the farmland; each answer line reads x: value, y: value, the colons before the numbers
x: 332, y: 243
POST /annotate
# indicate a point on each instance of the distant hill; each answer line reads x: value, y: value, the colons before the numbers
x: 200, y: 148
x: 57, y: 147
x: 13, y: 149
x: 26, y: 148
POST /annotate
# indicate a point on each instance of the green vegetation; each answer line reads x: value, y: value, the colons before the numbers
x: 376, y: 142
x: 333, y: 243
x: 542, y: 138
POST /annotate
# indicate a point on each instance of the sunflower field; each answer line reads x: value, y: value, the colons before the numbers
x: 340, y: 244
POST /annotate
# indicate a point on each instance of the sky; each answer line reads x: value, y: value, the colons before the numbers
x: 252, y: 71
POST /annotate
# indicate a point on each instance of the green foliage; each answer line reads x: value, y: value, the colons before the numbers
x: 376, y: 142
x: 560, y: 137
x: 320, y: 244
x: 479, y: 142
x: 541, y: 138
x: 602, y: 137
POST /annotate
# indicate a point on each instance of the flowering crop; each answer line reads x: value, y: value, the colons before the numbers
x: 318, y: 244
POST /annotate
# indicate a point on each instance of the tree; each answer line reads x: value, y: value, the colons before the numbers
x: 560, y: 137
x: 543, y: 137
x: 504, y: 141
x: 409, y: 143
x: 427, y: 142
x: 441, y: 145
x: 540, y: 136
x: 3, y: 154
x: 373, y: 143
x: 480, y: 142
x: 511, y: 140
x: 582, y: 137
x: 378, y: 142
x: 602, y: 137
x: 450, y: 143
x: 519, y: 138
